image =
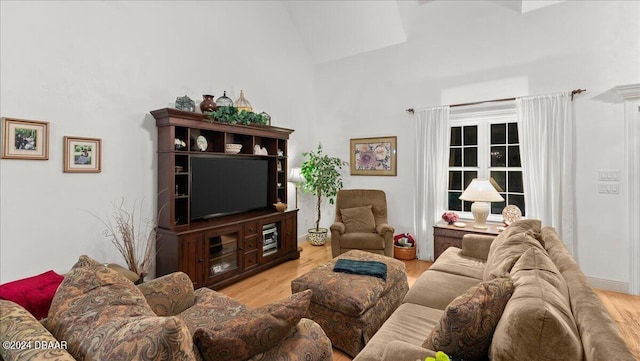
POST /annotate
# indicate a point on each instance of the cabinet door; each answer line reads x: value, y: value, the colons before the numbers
x: 223, y: 253
x: 192, y: 261
x: 290, y: 236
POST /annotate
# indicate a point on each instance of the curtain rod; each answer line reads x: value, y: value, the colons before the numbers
x: 573, y: 92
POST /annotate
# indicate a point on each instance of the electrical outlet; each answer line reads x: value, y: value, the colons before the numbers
x: 614, y: 188
x: 608, y: 188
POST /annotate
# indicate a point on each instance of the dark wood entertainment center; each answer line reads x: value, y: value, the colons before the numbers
x: 218, y: 251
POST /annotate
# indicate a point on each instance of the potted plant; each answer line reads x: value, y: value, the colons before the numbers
x: 322, y: 175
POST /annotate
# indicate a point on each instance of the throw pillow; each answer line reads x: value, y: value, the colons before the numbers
x: 104, y: 316
x: 466, y: 327
x: 252, y: 332
x: 510, y: 245
x: 358, y: 219
x: 537, y: 323
x: 34, y: 293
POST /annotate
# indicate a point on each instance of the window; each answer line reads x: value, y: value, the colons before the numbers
x: 484, y: 144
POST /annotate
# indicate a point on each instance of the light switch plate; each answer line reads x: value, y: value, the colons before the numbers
x: 609, y: 175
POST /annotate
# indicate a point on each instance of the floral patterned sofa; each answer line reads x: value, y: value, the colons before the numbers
x: 97, y: 314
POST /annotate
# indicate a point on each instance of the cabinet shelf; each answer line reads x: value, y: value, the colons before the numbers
x: 221, y: 254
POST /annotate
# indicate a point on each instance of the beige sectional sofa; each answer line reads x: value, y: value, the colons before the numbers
x: 552, y: 313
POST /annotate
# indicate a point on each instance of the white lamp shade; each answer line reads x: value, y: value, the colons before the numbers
x: 295, y: 176
x: 481, y: 190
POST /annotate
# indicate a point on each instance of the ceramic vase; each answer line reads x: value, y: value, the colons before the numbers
x: 207, y: 105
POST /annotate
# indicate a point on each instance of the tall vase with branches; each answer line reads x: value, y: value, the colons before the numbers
x: 323, y: 179
x: 133, y: 236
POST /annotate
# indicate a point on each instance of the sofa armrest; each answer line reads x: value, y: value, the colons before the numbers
x: 383, y: 228
x: 404, y: 351
x: 19, y: 331
x: 338, y: 227
x: 169, y: 295
x: 476, y: 245
x: 130, y: 275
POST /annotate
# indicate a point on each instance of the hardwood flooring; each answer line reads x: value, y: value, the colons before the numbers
x: 625, y: 310
x: 275, y: 283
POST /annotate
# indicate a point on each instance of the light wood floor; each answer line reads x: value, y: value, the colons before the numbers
x: 275, y: 284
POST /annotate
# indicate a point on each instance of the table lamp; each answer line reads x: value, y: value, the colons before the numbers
x: 295, y: 177
x: 481, y: 193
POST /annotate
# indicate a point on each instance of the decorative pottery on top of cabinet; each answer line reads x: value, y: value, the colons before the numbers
x: 242, y: 103
x: 207, y: 105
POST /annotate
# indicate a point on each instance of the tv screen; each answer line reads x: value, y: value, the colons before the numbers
x: 222, y: 186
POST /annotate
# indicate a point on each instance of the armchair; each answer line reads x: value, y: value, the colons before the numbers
x: 361, y: 223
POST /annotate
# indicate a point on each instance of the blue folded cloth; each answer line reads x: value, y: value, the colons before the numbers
x: 366, y: 268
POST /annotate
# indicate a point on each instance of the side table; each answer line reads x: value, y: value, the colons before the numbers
x: 445, y: 235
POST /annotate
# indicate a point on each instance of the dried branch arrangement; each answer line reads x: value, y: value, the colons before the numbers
x: 133, y: 236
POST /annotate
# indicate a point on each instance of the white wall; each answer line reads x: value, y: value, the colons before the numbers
x: 96, y: 69
x: 460, y: 52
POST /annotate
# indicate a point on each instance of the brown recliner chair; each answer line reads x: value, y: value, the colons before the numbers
x: 361, y: 223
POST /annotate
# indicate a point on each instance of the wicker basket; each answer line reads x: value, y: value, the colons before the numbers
x: 404, y: 253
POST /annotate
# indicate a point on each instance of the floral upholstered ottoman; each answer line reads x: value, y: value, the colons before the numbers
x: 350, y: 308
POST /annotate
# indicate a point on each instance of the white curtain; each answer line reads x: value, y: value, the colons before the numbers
x: 432, y: 155
x: 546, y: 131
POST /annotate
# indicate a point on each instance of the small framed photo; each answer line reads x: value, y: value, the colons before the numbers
x: 373, y: 156
x: 25, y: 139
x: 82, y: 155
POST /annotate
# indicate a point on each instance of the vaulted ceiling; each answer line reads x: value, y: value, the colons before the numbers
x: 338, y: 29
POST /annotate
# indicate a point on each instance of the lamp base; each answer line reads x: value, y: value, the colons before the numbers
x: 480, y: 211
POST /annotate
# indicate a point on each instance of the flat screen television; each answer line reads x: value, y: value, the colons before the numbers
x: 221, y: 186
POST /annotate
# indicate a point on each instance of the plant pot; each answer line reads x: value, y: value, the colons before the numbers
x: 317, y: 237
x: 404, y: 253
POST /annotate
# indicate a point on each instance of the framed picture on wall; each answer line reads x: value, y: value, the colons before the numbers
x: 82, y: 155
x: 25, y: 139
x: 373, y: 156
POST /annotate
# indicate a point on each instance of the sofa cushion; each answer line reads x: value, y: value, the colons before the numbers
x: 102, y: 316
x: 599, y: 333
x: 358, y: 219
x: 33, y: 293
x: 466, y: 327
x: 537, y: 323
x: 170, y: 294
x: 362, y: 241
x: 307, y: 341
x: 252, y: 332
x: 453, y: 261
x: 437, y: 289
x: 510, y: 245
x: 409, y: 323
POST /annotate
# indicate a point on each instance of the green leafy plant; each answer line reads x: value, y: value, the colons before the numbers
x: 231, y: 115
x: 323, y: 178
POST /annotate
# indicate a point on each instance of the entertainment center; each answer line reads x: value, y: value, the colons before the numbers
x: 216, y: 221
